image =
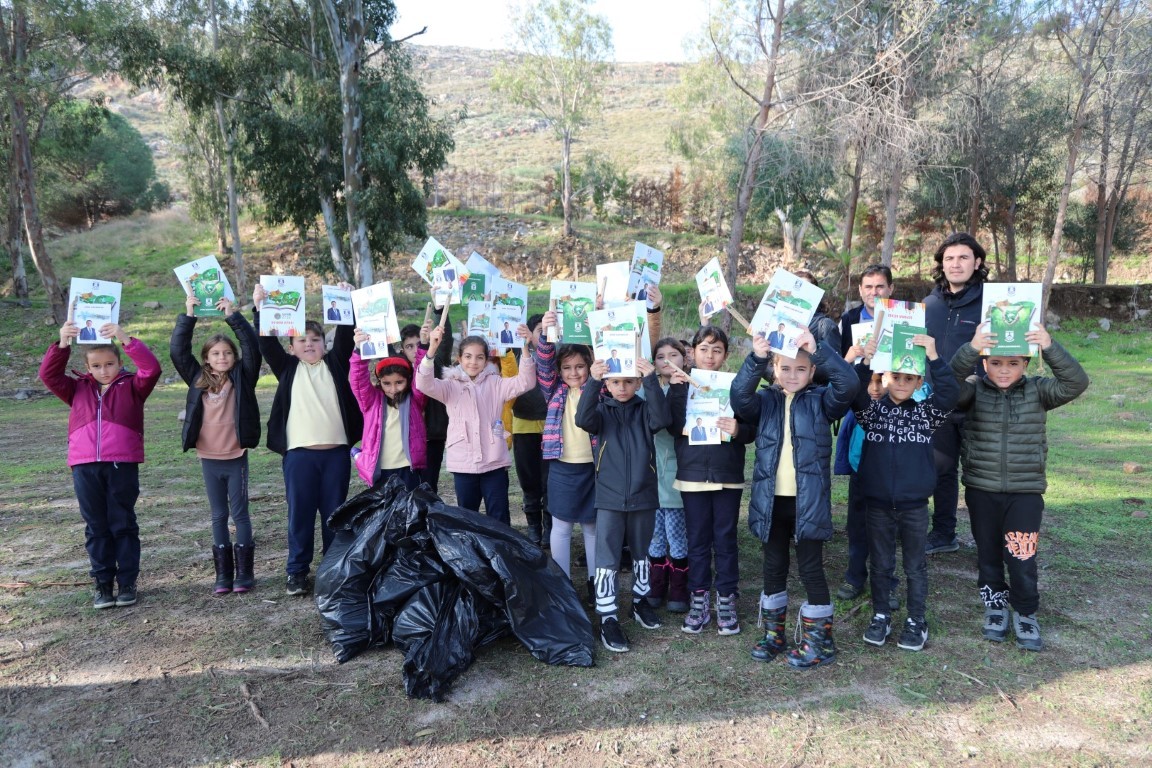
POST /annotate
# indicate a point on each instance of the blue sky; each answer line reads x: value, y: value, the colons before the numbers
x: 643, y: 30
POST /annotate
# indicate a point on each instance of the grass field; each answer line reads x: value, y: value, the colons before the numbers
x: 185, y: 678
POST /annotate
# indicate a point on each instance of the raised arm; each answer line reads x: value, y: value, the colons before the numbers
x: 180, y: 349
x: 842, y: 380
x: 588, y: 412
x: 745, y: 401
x: 249, y: 344
x: 1069, y: 379
x: 147, y: 367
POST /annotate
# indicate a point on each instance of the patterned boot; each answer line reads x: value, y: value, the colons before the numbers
x: 773, y: 610
x: 816, y: 645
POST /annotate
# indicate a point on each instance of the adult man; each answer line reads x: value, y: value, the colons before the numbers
x: 88, y: 332
x: 952, y: 314
x: 614, y: 362
x: 776, y: 338
x: 334, y: 313
x: 506, y: 336
x: 875, y: 283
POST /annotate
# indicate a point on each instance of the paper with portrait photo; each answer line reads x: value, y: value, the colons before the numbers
x: 861, y: 335
x: 282, y: 311
x: 443, y: 271
x: 714, y: 293
x: 701, y: 422
x: 337, y: 304
x: 376, y: 316
x: 709, y: 398
x: 205, y: 279
x: 618, y: 350
x: 505, y: 292
x: 92, y: 304
x: 645, y: 270
x: 480, y: 320
x: 506, y: 318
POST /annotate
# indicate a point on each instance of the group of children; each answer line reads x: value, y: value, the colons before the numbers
x: 607, y: 453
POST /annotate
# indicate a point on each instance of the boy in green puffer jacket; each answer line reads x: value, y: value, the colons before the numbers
x: 1003, y: 455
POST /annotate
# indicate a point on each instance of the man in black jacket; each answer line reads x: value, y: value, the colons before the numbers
x: 952, y: 314
x: 875, y: 283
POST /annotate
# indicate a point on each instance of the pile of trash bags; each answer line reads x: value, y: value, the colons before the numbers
x: 438, y: 582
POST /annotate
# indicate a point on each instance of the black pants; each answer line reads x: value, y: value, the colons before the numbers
x: 1006, y: 527
x: 910, y: 526
x: 107, y: 492
x: 431, y: 473
x: 946, y: 452
x: 532, y: 473
x: 809, y: 555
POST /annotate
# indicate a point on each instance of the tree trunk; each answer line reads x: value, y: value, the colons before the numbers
x: 850, y: 212
x: 13, y: 46
x: 335, y: 247
x: 227, y: 137
x: 1086, y: 67
x: 12, y: 240
x: 891, y: 209
x: 1010, y: 241
x: 566, y: 173
x: 1099, y: 271
x: 747, y: 184
x: 348, y: 42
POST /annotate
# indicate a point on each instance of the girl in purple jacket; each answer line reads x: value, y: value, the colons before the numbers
x: 394, y: 441
x: 105, y: 449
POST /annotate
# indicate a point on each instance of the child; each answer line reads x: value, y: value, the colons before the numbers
x: 476, y: 450
x: 528, y: 415
x: 710, y: 479
x: 313, y: 422
x: 105, y: 449
x: 668, y: 552
x: 626, y: 490
x: 394, y: 439
x: 849, y: 442
x: 560, y: 375
x: 791, y: 485
x: 896, y: 477
x: 222, y: 421
x: 413, y: 337
x: 1004, y: 454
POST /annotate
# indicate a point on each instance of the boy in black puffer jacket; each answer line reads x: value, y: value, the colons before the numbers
x: 897, y: 474
x: 1004, y: 455
x: 627, y: 493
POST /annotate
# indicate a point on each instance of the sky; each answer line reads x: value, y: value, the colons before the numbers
x: 642, y: 30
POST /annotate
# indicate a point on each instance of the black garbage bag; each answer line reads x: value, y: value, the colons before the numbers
x: 510, y: 572
x: 347, y: 570
x: 438, y: 630
x: 415, y: 566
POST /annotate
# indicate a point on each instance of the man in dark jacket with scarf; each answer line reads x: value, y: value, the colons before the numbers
x: 952, y: 314
x: 627, y: 493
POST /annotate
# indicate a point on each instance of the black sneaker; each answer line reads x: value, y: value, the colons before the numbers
x: 914, y: 634
x: 939, y: 545
x: 849, y: 591
x: 126, y: 596
x: 298, y: 584
x: 102, y: 597
x: 612, y: 636
x: 645, y: 615
x: 878, y: 629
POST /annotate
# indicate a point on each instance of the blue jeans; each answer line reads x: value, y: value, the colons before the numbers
x: 107, y: 492
x: 315, y: 481
x: 911, y: 527
x: 490, y: 486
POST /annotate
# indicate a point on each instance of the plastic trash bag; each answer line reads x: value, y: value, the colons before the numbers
x: 440, y: 582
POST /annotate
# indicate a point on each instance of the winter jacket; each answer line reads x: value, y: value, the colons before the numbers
x: 849, y: 441
x: 284, y: 367
x: 847, y: 320
x: 477, y: 437
x: 373, y: 404
x: 626, y: 456
x: 723, y: 463
x: 951, y: 318
x: 897, y: 466
x: 435, y: 416
x: 1005, y: 447
x: 556, y: 392
x: 243, y: 377
x: 813, y: 411
x: 108, y: 426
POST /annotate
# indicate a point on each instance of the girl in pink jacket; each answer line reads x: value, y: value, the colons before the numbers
x: 474, y: 393
x: 394, y: 441
x: 105, y: 449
